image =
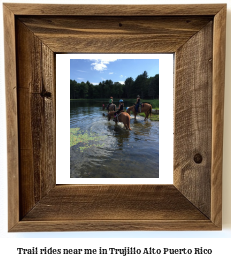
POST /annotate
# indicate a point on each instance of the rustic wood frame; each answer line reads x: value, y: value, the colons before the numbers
x: 33, y: 33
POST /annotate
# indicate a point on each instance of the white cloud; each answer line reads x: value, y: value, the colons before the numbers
x: 80, y: 78
x: 80, y: 71
x: 121, y: 76
x: 110, y: 72
x: 122, y: 82
x: 94, y: 83
x: 101, y: 64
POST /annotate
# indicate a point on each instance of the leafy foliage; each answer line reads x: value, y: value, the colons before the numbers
x: 146, y: 87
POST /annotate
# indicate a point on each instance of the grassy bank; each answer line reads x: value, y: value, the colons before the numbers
x: 153, y: 117
x: 154, y: 102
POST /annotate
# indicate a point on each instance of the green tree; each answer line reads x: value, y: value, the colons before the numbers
x: 73, y: 89
x: 146, y: 87
x: 83, y: 90
x: 128, y: 85
x: 101, y: 89
x: 108, y: 88
x: 95, y: 91
x: 118, y: 90
x: 140, y: 85
x: 90, y: 87
x: 153, y: 89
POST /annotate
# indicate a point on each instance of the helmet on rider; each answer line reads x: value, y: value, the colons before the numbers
x: 121, y: 101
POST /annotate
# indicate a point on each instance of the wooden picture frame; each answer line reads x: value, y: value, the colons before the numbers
x: 33, y: 34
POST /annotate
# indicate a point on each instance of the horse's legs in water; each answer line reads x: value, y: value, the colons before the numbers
x: 146, y: 116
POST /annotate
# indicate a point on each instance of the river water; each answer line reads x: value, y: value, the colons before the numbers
x: 100, y: 149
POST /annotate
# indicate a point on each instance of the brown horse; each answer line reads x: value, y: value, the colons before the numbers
x: 112, y: 107
x: 123, y: 117
x: 146, y: 108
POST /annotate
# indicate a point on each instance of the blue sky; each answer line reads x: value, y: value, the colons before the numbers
x: 117, y: 70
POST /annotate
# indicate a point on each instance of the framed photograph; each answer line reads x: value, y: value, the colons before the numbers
x: 103, y: 151
x: 35, y: 35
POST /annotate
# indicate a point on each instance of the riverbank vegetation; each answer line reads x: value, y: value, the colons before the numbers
x: 128, y: 102
x: 146, y: 87
x: 153, y: 117
x: 154, y: 102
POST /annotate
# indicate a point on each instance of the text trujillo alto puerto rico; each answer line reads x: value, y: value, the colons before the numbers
x: 125, y: 251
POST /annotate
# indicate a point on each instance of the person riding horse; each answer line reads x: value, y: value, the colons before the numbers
x: 137, y: 103
x: 110, y: 102
x: 121, y: 107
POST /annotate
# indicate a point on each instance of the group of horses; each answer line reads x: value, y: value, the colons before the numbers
x: 124, y: 117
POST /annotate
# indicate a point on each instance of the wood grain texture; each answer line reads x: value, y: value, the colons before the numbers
x: 114, y: 207
x: 114, y: 34
x: 194, y: 201
x: 218, y: 114
x: 114, y: 225
x: 36, y: 108
x: 114, y: 202
x: 114, y: 10
x: 11, y: 116
x: 193, y: 113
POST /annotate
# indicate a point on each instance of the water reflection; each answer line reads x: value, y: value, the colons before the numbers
x: 110, y: 151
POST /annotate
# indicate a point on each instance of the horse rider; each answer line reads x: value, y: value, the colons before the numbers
x: 110, y: 102
x: 137, y: 103
x: 121, y: 107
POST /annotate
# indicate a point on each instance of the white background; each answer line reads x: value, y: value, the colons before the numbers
x: 219, y: 241
x: 63, y: 120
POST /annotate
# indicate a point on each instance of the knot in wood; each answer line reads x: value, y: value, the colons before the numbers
x: 198, y: 158
x: 45, y: 94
